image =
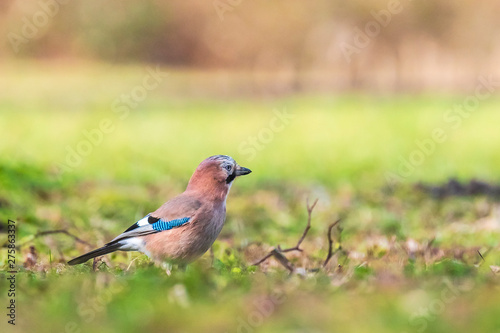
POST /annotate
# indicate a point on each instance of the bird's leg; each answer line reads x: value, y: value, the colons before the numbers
x: 212, y: 256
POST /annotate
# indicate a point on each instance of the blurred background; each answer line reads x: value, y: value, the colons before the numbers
x: 351, y: 73
x: 384, y: 110
x: 292, y: 46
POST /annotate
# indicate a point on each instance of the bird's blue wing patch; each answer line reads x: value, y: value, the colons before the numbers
x: 158, y: 224
x: 162, y: 225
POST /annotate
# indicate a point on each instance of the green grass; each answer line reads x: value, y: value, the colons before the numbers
x: 337, y: 148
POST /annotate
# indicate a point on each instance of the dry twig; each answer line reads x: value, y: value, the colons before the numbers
x: 330, y: 242
x: 306, y: 230
x: 278, y: 255
x: 50, y: 232
x: 480, y: 255
x: 277, y: 252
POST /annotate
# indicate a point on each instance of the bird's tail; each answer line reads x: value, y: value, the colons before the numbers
x: 108, y: 248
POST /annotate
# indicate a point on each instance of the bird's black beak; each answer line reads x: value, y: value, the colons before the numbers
x: 240, y: 171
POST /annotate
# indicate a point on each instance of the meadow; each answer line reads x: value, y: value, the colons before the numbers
x: 78, y: 155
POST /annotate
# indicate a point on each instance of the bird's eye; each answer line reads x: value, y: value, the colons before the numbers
x: 228, y: 167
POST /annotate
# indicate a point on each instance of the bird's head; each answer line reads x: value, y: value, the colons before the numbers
x: 216, y: 174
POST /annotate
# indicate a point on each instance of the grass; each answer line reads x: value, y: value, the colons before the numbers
x: 409, y: 262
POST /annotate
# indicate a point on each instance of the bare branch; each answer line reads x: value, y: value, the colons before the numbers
x: 278, y: 255
x: 480, y: 255
x: 283, y: 260
x: 278, y: 252
x: 330, y: 242
x: 50, y: 232
x: 306, y: 230
x: 263, y: 259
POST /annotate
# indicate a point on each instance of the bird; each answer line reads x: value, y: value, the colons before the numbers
x: 186, y: 226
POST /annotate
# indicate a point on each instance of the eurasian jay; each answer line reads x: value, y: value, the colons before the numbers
x: 185, y: 227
